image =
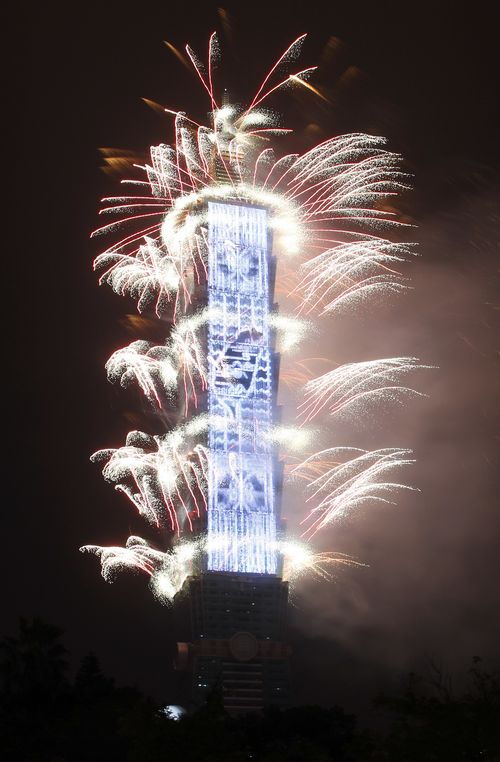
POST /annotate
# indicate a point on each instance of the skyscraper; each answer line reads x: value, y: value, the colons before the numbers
x: 238, y: 603
x: 196, y: 252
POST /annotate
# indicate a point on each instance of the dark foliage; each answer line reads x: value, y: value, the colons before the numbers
x: 432, y: 724
x: 45, y: 717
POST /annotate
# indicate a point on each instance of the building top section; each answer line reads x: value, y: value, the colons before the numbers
x: 238, y: 249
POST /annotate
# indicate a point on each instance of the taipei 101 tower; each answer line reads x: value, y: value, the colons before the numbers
x: 238, y: 602
x: 200, y: 234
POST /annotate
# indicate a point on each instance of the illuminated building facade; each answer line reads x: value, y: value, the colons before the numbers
x: 238, y: 603
x: 196, y: 252
x: 241, y: 487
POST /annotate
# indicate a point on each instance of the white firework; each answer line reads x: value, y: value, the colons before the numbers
x: 290, y: 330
x: 347, y: 272
x: 149, y: 275
x: 356, y: 384
x: 161, y: 475
x: 326, y: 212
x: 150, y: 366
x: 343, y: 485
x: 300, y: 559
x: 169, y: 570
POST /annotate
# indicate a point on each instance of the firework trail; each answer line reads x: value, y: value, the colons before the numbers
x: 351, y: 271
x: 346, y: 484
x: 358, y: 383
x: 326, y: 214
x: 163, y: 476
x: 149, y: 366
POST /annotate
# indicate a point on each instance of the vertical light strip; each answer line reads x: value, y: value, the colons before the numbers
x: 241, y: 508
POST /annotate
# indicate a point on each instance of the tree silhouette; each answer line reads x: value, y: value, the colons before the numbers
x: 33, y: 686
x: 45, y: 717
x: 431, y: 723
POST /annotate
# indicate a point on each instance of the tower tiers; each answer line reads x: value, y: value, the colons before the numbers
x: 242, y: 522
x: 238, y: 602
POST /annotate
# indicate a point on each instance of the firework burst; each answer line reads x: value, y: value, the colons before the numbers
x: 325, y: 210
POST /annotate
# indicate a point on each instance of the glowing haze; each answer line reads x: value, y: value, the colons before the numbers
x: 320, y: 215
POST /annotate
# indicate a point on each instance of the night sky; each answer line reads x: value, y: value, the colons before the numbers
x: 425, y: 78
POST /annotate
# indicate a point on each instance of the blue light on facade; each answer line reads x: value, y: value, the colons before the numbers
x: 242, y: 521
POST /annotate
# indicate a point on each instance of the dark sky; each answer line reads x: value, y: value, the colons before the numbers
x: 426, y: 78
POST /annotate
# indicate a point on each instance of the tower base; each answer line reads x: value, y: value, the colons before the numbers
x: 238, y: 626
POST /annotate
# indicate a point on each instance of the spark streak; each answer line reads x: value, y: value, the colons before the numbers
x: 161, y: 474
x: 356, y: 383
x: 150, y: 366
x: 350, y: 483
